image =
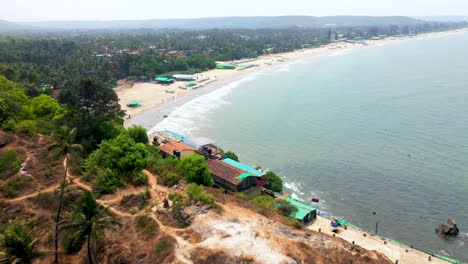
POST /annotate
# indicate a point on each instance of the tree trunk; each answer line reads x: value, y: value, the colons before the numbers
x: 90, y: 259
x: 57, y: 219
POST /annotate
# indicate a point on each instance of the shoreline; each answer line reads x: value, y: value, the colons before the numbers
x: 157, y: 103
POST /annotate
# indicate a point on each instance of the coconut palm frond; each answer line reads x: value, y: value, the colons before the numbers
x: 71, y: 137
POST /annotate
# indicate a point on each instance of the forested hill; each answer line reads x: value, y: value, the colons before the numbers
x: 6, y: 26
x: 231, y: 22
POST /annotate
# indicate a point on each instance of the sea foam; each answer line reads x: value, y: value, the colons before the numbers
x: 185, y: 118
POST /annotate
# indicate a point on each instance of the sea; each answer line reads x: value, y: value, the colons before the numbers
x: 379, y: 129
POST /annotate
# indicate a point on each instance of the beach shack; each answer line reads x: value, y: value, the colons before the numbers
x: 305, y: 213
x: 229, y: 177
x: 183, y: 77
x: 259, y: 179
x: 134, y: 104
x: 164, y: 80
x: 225, y: 66
x: 177, y: 149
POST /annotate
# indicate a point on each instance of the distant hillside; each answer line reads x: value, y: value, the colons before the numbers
x: 444, y: 18
x: 6, y: 26
x: 230, y: 22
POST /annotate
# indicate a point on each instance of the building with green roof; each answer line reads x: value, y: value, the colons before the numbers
x: 164, y: 80
x: 305, y: 213
x: 224, y: 66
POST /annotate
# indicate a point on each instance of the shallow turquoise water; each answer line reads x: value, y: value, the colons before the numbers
x: 381, y: 129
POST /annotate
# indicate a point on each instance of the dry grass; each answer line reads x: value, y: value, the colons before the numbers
x: 208, y: 256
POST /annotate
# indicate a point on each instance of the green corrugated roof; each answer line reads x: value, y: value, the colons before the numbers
x: 163, y: 79
x: 302, y: 209
x: 243, y: 167
x: 174, y: 134
x: 243, y: 176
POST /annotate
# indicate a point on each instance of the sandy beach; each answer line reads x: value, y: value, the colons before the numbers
x: 395, y: 252
x: 159, y: 100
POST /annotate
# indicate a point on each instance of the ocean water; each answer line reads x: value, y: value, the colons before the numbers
x: 377, y: 129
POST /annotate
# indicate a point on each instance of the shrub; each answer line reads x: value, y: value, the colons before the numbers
x: 242, y: 196
x: 107, y: 181
x: 195, y: 169
x: 197, y: 192
x: 170, y: 178
x: 176, y: 198
x: 146, y: 225
x: 231, y: 155
x: 163, y: 250
x: 10, y: 188
x: 138, y: 133
x: 116, y: 159
x: 286, y: 208
x: 293, y: 222
x: 274, y: 182
x: 139, y: 178
x: 28, y: 127
x: 264, y: 201
x: 9, y: 163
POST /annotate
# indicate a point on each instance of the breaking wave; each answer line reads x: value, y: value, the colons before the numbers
x: 185, y: 118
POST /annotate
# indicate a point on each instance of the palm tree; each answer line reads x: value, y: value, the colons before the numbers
x: 18, y: 244
x: 63, y: 146
x: 88, y: 223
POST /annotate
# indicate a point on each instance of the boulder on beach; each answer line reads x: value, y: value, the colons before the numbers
x: 449, y: 229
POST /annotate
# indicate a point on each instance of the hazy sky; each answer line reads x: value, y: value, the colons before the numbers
x: 40, y: 10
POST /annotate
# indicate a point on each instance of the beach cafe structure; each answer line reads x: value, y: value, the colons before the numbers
x: 183, y: 77
x: 232, y: 178
x: 305, y: 213
x: 164, y: 80
x: 225, y: 66
x: 227, y: 173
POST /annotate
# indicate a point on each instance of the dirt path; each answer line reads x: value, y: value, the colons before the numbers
x: 50, y: 189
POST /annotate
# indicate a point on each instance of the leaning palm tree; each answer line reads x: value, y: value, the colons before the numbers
x: 63, y: 146
x: 89, y: 222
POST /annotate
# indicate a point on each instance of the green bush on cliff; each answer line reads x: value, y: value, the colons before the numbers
x: 274, y: 182
x: 115, y: 162
x: 195, y: 169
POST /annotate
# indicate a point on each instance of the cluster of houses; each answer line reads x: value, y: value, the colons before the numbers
x: 107, y: 51
x: 229, y: 174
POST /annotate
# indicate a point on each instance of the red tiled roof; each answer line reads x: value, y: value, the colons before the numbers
x: 171, y: 146
x: 224, y: 171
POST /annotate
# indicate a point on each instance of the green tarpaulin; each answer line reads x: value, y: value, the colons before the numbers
x: 191, y: 83
x: 163, y: 79
x: 134, y: 104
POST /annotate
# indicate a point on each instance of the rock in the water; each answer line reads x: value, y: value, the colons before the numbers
x: 449, y: 229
